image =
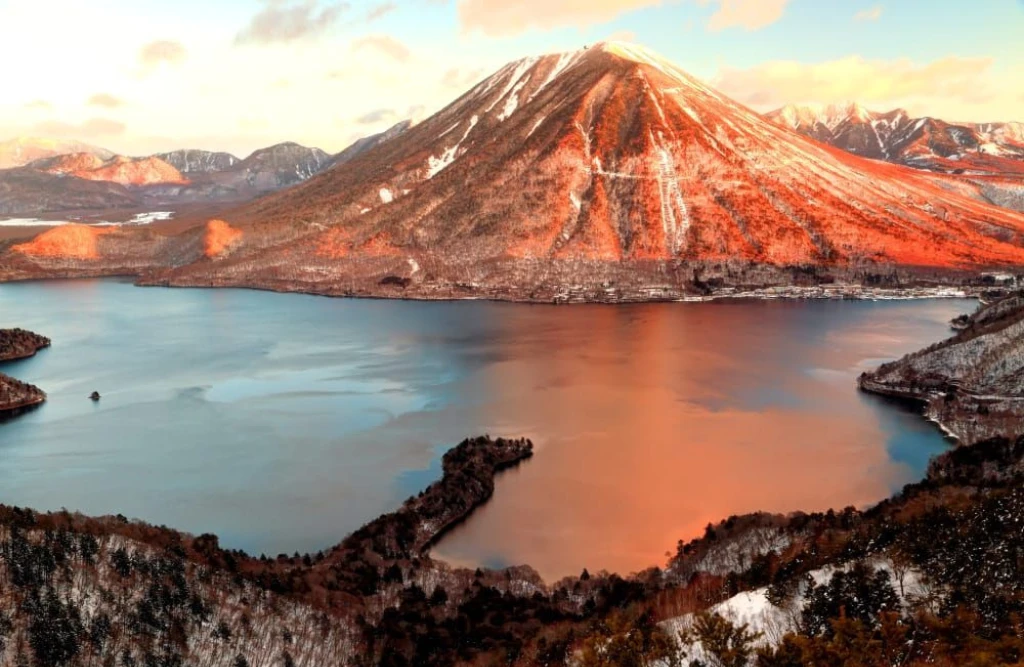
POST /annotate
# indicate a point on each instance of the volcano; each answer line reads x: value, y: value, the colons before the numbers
x: 590, y: 170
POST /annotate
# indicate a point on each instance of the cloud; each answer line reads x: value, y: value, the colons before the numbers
x: 747, y: 14
x: 461, y: 78
x: 884, y: 83
x: 90, y: 129
x: 105, y: 100
x: 377, y: 116
x: 381, y: 10
x: 281, y: 22
x: 38, y: 105
x: 161, y: 51
x: 872, y: 14
x: 622, y: 36
x: 500, y: 18
x: 384, y: 44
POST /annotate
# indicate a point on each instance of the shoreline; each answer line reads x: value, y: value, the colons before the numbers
x: 841, y: 292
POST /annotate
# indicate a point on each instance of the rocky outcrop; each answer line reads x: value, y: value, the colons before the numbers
x: 20, y: 343
x: 17, y: 396
x: 973, y: 383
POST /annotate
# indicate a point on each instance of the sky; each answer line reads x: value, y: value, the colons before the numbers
x: 142, y: 76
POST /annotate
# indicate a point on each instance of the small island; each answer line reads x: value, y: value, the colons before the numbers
x: 16, y: 396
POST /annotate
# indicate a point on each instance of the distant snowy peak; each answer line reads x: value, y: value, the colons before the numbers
x: 193, y: 161
x: 896, y: 136
x: 20, y: 151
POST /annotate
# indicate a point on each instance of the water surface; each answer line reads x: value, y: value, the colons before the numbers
x: 283, y: 422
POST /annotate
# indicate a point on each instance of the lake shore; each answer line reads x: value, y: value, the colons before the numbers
x: 17, y: 397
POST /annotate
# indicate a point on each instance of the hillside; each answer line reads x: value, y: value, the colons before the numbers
x: 972, y: 383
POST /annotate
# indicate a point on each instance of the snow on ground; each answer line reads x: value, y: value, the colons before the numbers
x: 753, y: 608
x: 435, y: 165
x: 521, y: 68
x: 512, y: 102
x: 137, y: 219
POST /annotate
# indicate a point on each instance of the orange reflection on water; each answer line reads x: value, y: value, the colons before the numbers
x: 651, y: 422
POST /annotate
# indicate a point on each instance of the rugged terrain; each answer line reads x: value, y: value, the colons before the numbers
x: 972, y: 383
x: 606, y: 174
x: 923, y: 143
x: 17, y: 396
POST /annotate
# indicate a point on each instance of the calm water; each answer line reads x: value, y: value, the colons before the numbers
x: 283, y: 422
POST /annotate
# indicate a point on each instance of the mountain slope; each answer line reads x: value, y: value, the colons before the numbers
x: 20, y: 151
x: 189, y: 161
x: 118, y: 169
x: 360, y: 146
x: 614, y: 155
x: 608, y: 173
x: 26, y: 191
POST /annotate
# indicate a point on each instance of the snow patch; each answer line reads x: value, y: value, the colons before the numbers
x: 521, y: 68
x: 386, y: 196
x: 137, y: 219
x: 435, y: 165
x: 512, y: 102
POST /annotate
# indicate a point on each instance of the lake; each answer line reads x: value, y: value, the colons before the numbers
x: 283, y: 422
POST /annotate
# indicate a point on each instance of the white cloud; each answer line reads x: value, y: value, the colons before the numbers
x: 747, y: 14
x: 500, y: 18
x: 951, y: 88
x: 872, y: 14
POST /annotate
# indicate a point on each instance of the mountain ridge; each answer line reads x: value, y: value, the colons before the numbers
x: 607, y: 173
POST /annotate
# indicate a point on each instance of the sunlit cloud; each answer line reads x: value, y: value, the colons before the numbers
x: 105, y: 100
x: 384, y: 44
x: 90, y: 129
x: 500, y: 18
x: 747, y: 14
x: 872, y: 14
x: 161, y: 51
x: 953, y: 88
x: 280, y: 21
x: 381, y: 11
x: 377, y: 116
x: 38, y: 105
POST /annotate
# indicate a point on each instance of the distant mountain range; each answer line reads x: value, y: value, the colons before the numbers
x: 42, y: 175
x: 922, y: 143
x: 604, y: 174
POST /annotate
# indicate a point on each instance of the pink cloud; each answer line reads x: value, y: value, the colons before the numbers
x: 501, y: 18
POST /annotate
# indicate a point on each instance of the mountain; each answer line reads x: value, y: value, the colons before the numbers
x: 25, y: 191
x: 604, y: 174
x: 360, y: 146
x: 923, y: 143
x: 610, y: 156
x: 282, y: 165
x: 20, y: 151
x: 191, y: 161
x: 118, y: 169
